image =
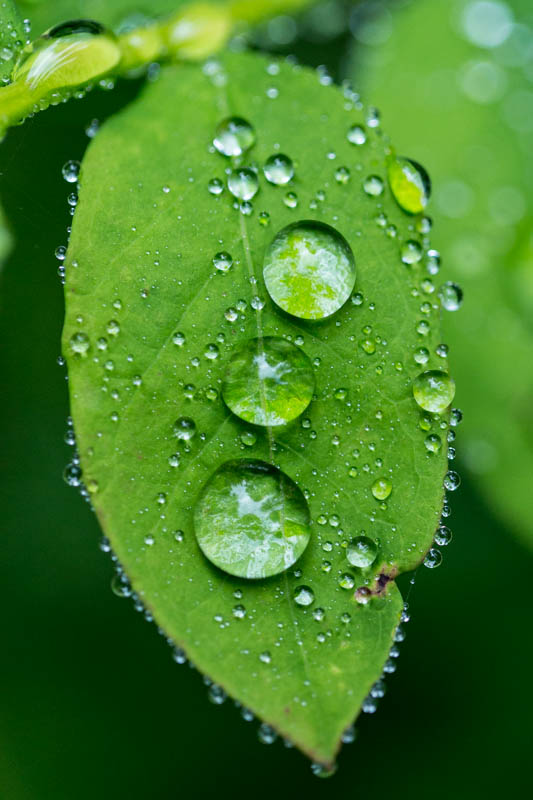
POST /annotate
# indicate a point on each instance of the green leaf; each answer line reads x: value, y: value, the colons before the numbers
x: 47, y: 13
x: 466, y: 112
x: 151, y: 325
x: 12, y: 38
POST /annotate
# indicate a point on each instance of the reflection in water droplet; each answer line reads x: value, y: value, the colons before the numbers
x: 433, y: 559
x: 243, y: 183
x: 309, y: 270
x: 411, y: 252
x: 184, y: 428
x: 381, y: 488
x: 356, y: 135
x: 268, y: 382
x: 234, y: 136
x: 451, y: 296
x: 79, y: 343
x: 409, y: 183
x: 303, y: 595
x: 434, y: 390
x: 222, y: 261
x: 71, y: 171
x: 251, y: 519
x: 278, y: 169
x: 291, y: 200
x: 215, y: 186
x: 433, y: 443
x: 361, y: 552
x: 373, y: 185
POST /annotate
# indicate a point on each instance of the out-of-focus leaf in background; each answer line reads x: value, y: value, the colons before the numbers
x: 455, y: 83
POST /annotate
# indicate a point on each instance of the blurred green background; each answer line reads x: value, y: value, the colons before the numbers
x: 92, y: 703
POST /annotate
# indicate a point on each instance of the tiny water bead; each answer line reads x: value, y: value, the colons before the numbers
x: 434, y: 390
x: 251, y: 520
x: 184, y: 428
x: 215, y: 186
x: 433, y: 559
x: 373, y: 185
x: 451, y: 296
x: 411, y: 252
x: 361, y: 552
x: 410, y: 184
x: 433, y: 443
x: 79, y: 343
x: 243, y: 183
x: 303, y: 595
x: 381, y: 488
x: 309, y: 270
x: 222, y: 261
x: 269, y: 382
x: 278, y: 169
x: 71, y: 171
x: 356, y: 135
x: 234, y: 136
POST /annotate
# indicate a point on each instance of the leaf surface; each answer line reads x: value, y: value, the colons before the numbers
x: 144, y: 236
x: 12, y: 38
x: 466, y: 112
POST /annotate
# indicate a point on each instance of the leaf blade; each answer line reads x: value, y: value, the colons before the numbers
x: 135, y: 157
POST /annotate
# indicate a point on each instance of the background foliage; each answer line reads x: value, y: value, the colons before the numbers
x: 93, y: 702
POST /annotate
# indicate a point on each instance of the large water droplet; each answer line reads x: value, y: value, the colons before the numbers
x: 361, y: 552
x: 409, y: 183
x: 268, y: 382
x: 278, y: 169
x: 234, y: 136
x: 251, y: 519
x: 434, y: 390
x: 184, y: 428
x: 243, y: 183
x: 309, y: 270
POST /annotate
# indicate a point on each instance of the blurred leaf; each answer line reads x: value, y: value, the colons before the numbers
x: 455, y: 84
x: 161, y: 324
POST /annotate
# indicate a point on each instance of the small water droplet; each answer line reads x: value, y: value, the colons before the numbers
x: 433, y: 559
x: 234, y: 136
x: 278, y: 169
x: 184, y: 428
x: 79, y: 343
x: 381, y: 488
x: 215, y: 186
x: 373, y: 185
x: 433, y: 443
x: 451, y: 296
x: 71, y: 171
x: 434, y: 390
x: 410, y: 184
x: 243, y: 183
x: 356, y: 135
x: 411, y: 252
x: 303, y: 595
x: 361, y: 552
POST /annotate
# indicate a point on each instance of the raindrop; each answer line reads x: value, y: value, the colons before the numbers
x: 433, y: 559
x: 381, y: 488
x: 373, y: 185
x: 409, y: 183
x: 411, y: 252
x: 222, y: 261
x: 251, y: 520
x: 184, y: 428
x: 434, y: 390
x: 356, y: 135
x: 243, y: 183
x: 433, y: 443
x: 443, y: 536
x: 291, y: 200
x: 309, y: 270
x: 79, y: 343
x: 452, y: 481
x: 71, y: 171
x: 361, y: 552
x: 278, y: 169
x: 342, y: 175
x: 268, y: 382
x: 451, y: 296
x: 303, y: 595
x: 234, y: 136
x: 215, y: 186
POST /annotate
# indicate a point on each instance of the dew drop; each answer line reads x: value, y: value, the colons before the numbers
x: 79, y: 343
x: 381, y: 488
x: 373, y: 185
x: 215, y: 186
x: 303, y: 595
x: 451, y: 296
x: 433, y: 443
x: 361, y: 552
x: 184, y: 428
x: 434, y: 390
x: 268, y: 382
x: 278, y: 169
x: 291, y: 200
x: 309, y: 270
x: 243, y: 183
x: 356, y: 135
x: 251, y: 519
x: 433, y: 559
x: 411, y: 252
x: 222, y: 261
x: 234, y: 136
x: 71, y: 171
x: 410, y: 184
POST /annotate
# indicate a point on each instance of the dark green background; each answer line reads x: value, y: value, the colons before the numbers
x: 92, y: 704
